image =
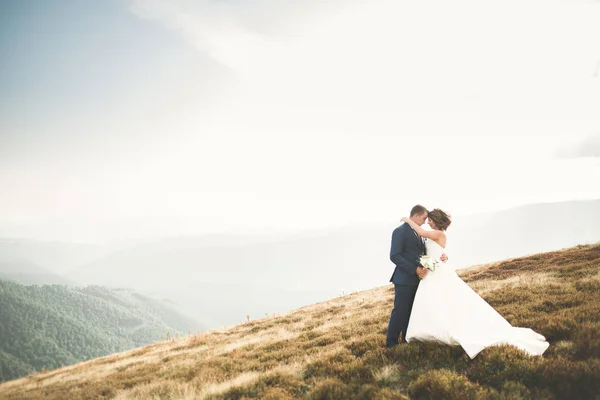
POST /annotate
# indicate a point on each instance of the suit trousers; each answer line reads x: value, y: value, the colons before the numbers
x: 404, y: 296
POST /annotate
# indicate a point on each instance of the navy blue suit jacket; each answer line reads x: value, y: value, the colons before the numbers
x: 405, y: 252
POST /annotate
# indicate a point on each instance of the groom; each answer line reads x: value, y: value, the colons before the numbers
x: 406, y: 250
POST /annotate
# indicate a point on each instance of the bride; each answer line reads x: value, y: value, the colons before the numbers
x: 447, y: 310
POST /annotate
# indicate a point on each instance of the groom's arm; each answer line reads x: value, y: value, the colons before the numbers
x: 398, y: 241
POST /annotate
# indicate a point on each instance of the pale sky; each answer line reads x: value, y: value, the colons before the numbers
x: 149, y: 117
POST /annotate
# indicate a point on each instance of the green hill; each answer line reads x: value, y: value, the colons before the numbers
x: 335, y: 350
x: 46, y: 327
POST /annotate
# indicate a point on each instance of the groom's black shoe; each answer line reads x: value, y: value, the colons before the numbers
x: 391, y: 345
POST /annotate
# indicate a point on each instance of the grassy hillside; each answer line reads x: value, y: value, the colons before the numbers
x: 52, y: 325
x: 335, y: 350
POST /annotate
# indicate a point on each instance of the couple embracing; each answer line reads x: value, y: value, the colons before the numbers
x: 438, y: 305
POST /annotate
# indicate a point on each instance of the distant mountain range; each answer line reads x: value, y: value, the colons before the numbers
x: 29, y: 273
x: 220, y: 279
x: 57, y: 257
x: 523, y: 231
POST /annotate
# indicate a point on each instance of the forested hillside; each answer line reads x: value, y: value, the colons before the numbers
x: 45, y: 327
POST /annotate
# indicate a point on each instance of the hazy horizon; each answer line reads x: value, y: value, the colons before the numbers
x: 258, y: 234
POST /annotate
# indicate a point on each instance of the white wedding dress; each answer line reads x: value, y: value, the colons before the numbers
x: 447, y: 310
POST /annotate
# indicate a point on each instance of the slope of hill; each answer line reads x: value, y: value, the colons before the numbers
x: 335, y: 349
x: 25, y: 272
x: 50, y: 326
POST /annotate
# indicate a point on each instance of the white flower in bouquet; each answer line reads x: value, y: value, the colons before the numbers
x: 429, y: 263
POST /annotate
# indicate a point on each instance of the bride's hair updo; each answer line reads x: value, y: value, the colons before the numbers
x: 440, y: 218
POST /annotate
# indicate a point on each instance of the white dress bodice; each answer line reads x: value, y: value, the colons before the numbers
x: 433, y: 249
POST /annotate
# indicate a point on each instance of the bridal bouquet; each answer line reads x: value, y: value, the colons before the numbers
x: 429, y: 263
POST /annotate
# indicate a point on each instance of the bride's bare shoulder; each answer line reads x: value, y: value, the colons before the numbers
x: 441, y: 239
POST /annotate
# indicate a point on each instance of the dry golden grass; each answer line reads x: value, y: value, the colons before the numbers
x: 335, y: 349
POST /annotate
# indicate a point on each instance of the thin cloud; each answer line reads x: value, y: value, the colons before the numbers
x: 212, y: 28
x: 589, y: 147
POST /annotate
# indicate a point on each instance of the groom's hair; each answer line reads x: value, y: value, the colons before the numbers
x: 418, y: 210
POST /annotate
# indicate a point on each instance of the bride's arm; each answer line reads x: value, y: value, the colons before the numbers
x: 434, y: 235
